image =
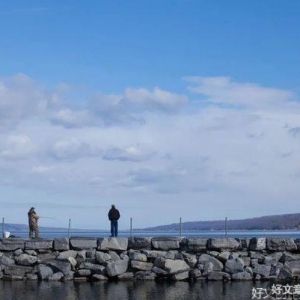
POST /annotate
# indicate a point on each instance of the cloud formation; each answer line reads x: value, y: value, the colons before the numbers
x: 224, y: 144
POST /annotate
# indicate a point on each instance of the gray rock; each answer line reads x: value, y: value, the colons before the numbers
x: 257, y: 255
x: 223, y: 256
x: 137, y: 256
x: 207, y: 267
x: 272, y: 258
x: 44, y: 272
x: 217, y: 265
x: 138, y: 243
x: 18, y: 252
x: 126, y: 276
x: 60, y: 266
x: 190, y: 259
x: 247, y: 261
x: 159, y: 271
x: 93, y: 267
x: 215, y: 276
x: 11, y: 244
x: 83, y: 272
x: 26, y: 260
x: 102, y: 257
x: 172, y: 254
x: 140, y: 265
x: 223, y: 244
x: 241, y: 276
x: 285, y: 273
x: 56, y: 276
x: 176, y: 266
x: 281, y: 244
x: 193, y: 244
x: 160, y: 262
x: 46, y: 257
x: 113, y: 243
x: 61, y: 244
x: 249, y: 270
x: 244, y: 242
x: 6, y: 261
x: 31, y: 277
x: 181, y: 276
x: 166, y: 243
x: 116, y: 268
x: 289, y: 257
x: 145, y: 275
x: 31, y: 252
x: 194, y: 273
x: 39, y: 244
x: 234, y: 265
x: 12, y: 278
x: 293, y: 266
x: 66, y: 254
x: 154, y: 253
x: 99, y: 277
x: 114, y: 256
x: 17, y: 270
x: 73, y: 262
x: 262, y: 270
x: 82, y: 243
x: 257, y: 244
x: 81, y: 255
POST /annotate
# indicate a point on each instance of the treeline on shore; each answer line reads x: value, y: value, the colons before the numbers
x: 274, y: 222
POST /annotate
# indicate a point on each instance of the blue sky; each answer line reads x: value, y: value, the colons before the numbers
x: 166, y: 108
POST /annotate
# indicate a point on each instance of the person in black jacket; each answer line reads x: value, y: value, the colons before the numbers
x: 113, y: 216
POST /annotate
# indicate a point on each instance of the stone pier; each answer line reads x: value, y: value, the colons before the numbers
x: 143, y: 258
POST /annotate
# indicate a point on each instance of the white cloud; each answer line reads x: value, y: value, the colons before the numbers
x: 240, y: 147
x: 223, y: 90
x: 134, y: 154
x: 17, y: 147
x: 70, y: 148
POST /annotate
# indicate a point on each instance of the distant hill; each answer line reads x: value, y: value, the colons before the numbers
x: 275, y: 222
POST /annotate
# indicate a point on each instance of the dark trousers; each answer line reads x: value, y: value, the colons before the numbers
x: 114, y: 228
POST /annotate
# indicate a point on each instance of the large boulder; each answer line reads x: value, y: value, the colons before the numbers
x: 262, y: 270
x: 281, y: 244
x: 216, y: 264
x: 39, y: 244
x: 61, y: 244
x: 193, y: 244
x: 176, y: 266
x: 11, y: 244
x: 6, y: 261
x: 166, y: 243
x: 66, y: 254
x: 154, y: 253
x: 138, y: 243
x: 141, y: 265
x: 135, y: 255
x: 60, y: 266
x: 113, y: 243
x: 44, y: 272
x: 17, y: 270
x: 234, y: 265
x: 26, y: 260
x: 81, y: 243
x: 241, y: 276
x: 102, y: 257
x: 257, y: 244
x: 116, y: 268
x: 223, y: 244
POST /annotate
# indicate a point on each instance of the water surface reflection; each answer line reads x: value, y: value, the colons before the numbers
x: 134, y: 290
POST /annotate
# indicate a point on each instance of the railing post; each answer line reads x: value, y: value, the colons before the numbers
x: 225, y: 226
x: 130, y: 227
x: 69, y: 228
x: 180, y: 227
x: 3, y: 227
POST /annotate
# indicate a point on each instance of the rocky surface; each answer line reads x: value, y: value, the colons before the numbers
x: 138, y: 258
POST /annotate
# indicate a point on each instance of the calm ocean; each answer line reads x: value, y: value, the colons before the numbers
x: 138, y: 290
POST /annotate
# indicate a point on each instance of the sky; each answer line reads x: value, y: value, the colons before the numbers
x: 168, y: 109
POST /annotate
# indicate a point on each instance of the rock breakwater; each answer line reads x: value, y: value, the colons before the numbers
x: 139, y: 258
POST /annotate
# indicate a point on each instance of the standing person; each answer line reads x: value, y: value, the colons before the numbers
x: 33, y: 224
x: 113, y: 216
